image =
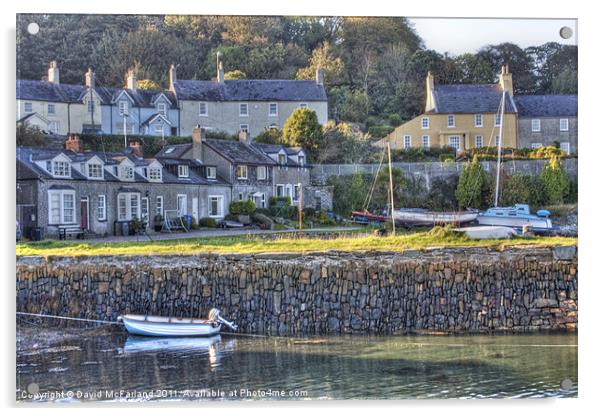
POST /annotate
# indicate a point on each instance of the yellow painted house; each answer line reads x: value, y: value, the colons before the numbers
x: 463, y: 116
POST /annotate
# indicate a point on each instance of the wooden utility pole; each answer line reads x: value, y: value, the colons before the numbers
x: 391, y: 186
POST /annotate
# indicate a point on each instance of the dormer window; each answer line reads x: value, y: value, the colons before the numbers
x: 127, y: 173
x: 211, y: 172
x: 123, y: 108
x: 95, y: 171
x: 60, y: 168
x: 281, y: 159
x: 162, y: 109
x: 154, y: 174
x: 182, y: 171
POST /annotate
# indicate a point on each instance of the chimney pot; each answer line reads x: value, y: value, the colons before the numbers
x: 53, y: 73
x: 136, y: 148
x: 320, y: 76
x: 197, y: 143
x: 243, y: 136
x: 172, y: 77
x: 220, y: 73
x: 131, y: 80
x: 74, y: 143
x: 90, y: 79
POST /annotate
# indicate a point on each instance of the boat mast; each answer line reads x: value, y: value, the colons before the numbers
x: 499, y: 149
x: 391, y: 186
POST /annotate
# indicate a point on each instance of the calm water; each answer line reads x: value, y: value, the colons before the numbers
x: 120, y: 367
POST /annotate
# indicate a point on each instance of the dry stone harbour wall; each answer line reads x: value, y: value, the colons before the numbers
x: 457, y: 290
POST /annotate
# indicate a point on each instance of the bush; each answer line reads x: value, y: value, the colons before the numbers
x: 394, y: 120
x: 521, y: 189
x: 555, y: 181
x: 242, y: 207
x: 279, y: 201
x: 444, y: 157
x: 269, y: 136
x: 380, y: 131
x: 207, y: 222
x: 472, y: 186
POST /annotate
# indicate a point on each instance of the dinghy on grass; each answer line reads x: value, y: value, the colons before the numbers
x: 160, y: 326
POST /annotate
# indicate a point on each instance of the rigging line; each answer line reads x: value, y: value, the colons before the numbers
x: 41, y: 315
x: 499, y: 110
x: 368, y: 198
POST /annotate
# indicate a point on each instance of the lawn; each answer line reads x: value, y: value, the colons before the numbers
x: 256, y: 244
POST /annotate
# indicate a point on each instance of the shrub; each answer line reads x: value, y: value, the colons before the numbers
x: 472, y: 186
x: 279, y: 201
x: 555, y: 181
x: 521, y: 189
x: 394, y: 119
x: 445, y: 157
x: 207, y: 222
x: 242, y: 207
x: 380, y: 131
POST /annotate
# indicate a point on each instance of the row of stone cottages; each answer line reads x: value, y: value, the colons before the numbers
x: 98, y: 191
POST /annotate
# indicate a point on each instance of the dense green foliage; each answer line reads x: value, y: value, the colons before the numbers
x: 303, y: 129
x: 522, y: 189
x: 372, y: 66
x: 207, y: 222
x: 242, y: 207
x: 555, y: 182
x: 472, y: 186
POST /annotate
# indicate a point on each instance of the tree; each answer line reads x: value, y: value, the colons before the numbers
x: 472, y: 186
x: 303, y: 129
x: 269, y: 136
x: 357, y: 191
x: 555, y: 181
x: 236, y: 74
x: 147, y: 84
x: 566, y: 82
x: 30, y: 136
x: 323, y: 57
x: 521, y: 65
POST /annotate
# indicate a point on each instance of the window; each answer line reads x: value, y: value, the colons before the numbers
x: 262, y: 173
x: 425, y: 122
x: 128, y: 206
x: 279, y: 190
x: 478, y: 141
x: 281, y: 159
x: 182, y: 202
x: 498, y: 120
x: 154, y: 174
x: 454, y: 141
x: 159, y: 129
x: 91, y: 106
x: 61, y: 207
x: 301, y: 160
x: 127, y: 173
x: 243, y: 109
x: 61, y: 169
x: 407, y: 141
x: 240, y: 196
x: 144, y: 208
x: 162, y: 109
x: 244, y: 127
x: 28, y: 107
x: 182, y: 171
x: 303, y: 105
x: 497, y: 141
x: 241, y: 172
x: 273, y: 126
x: 101, y: 212
x: 565, y: 147
x: 95, y: 171
x: 426, y: 142
x: 203, y: 109
x: 216, y: 206
x: 564, y: 124
x: 536, y: 125
x: 211, y: 172
x: 536, y: 145
x: 451, y: 120
x: 123, y: 108
x: 51, y: 109
x: 273, y: 111
x: 53, y: 126
x: 478, y: 120
x: 296, y: 193
x: 159, y: 205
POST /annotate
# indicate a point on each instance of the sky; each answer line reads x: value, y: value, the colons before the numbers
x: 460, y: 35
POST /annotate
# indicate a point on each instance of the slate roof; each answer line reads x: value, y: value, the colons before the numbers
x: 178, y: 151
x: 276, y: 148
x: 546, y: 105
x: 466, y: 98
x: 143, y: 98
x: 238, y: 152
x: 250, y: 90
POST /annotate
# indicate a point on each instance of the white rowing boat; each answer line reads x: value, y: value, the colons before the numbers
x: 160, y: 326
x: 419, y: 216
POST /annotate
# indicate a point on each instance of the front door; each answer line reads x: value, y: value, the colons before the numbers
x: 84, y: 213
x: 195, y: 208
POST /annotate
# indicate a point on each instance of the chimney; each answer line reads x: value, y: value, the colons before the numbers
x: 320, y: 76
x: 506, y: 80
x: 136, y: 148
x: 53, y: 73
x: 74, y: 144
x: 243, y: 136
x: 220, y: 73
x: 197, y: 143
x: 90, y: 80
x: 131, y: 80
x: 430, y: 88
x: 172, y: 77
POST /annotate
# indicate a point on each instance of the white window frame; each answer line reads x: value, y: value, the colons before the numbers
x: 245, y: 128
x: 451, y: 118
x: 536, y: 145
x: 145, y: 210
x: 264, y: 175
x: 182, y: 207
x: 428, y: 141
x: 272, y: 113
x: 220, y: 206
x: 407, y: 141
x: 61, y: 169
x: 155, y: 174
x: 95, y: 171
x: 478, y: 120
x: 240, y: 111
x: 127, y: 206
x: 566, y: 147
x: 62, y: 209
x: 162, y: 109
x: 53, y: 107
x: 296, y: 193
x: 211, y: 172
x: 127, y: 173
x: 123, y: 107
x: 280, y: 160
x: 91, y: 106
x: 561, y: 122
x: 459, y: 147
x: 101, y: 213
x: 425, y: 123
x: 53, y: 126
x: 535, y: 125
x: 159, y: 128
x: 159, y: 205
x: 204, y: 109
x: 183, y: 171
x: 280, y: 190
x: 243, y: 168
x: 478, y: 141
x: 28, y: 107
x: 497, y: 120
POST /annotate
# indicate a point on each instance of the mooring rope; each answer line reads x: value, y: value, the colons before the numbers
x: 41, y: 315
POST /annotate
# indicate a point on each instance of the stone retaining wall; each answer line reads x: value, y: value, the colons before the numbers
x: 458, y: 290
